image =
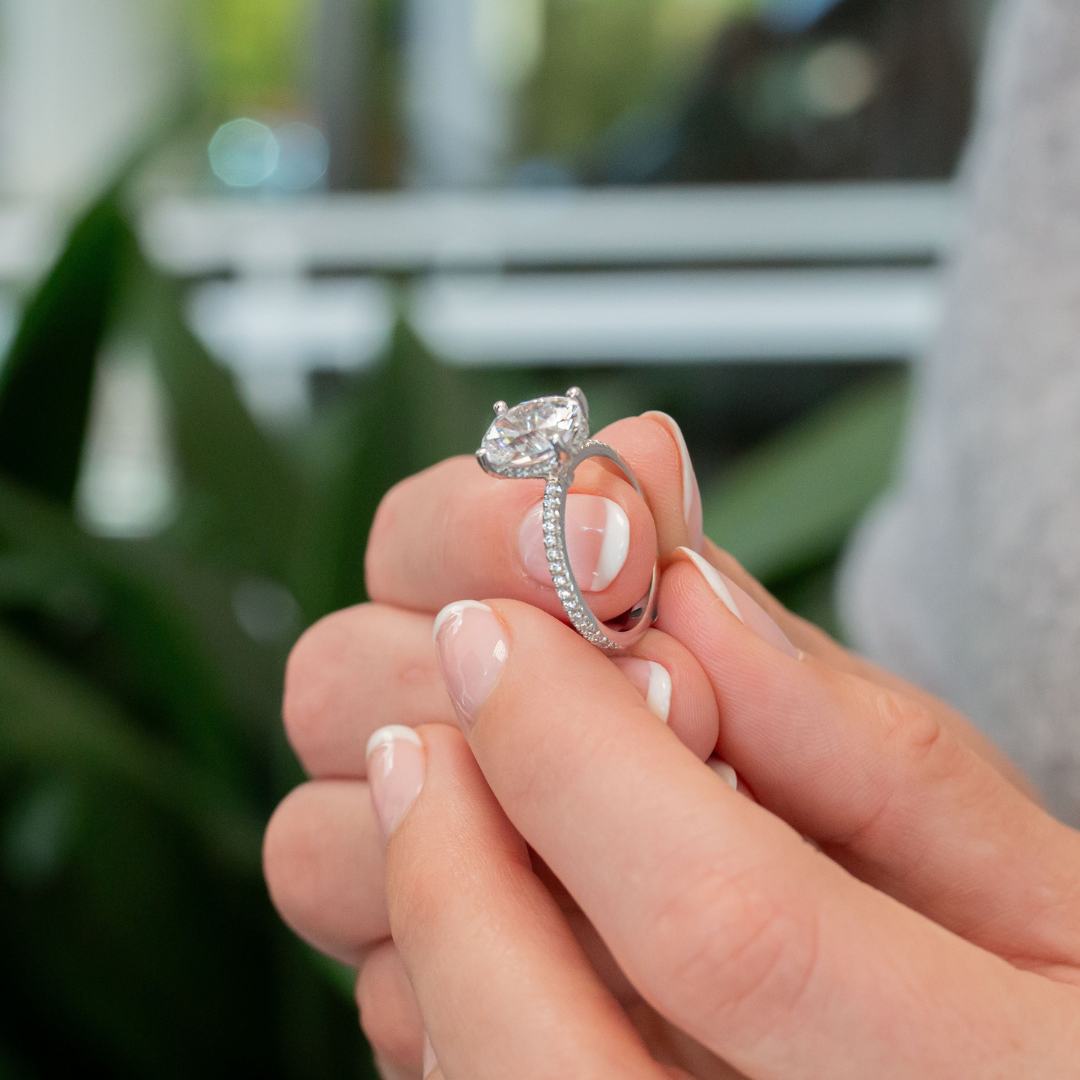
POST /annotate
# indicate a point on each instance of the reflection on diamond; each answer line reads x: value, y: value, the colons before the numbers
x: 522, y: 442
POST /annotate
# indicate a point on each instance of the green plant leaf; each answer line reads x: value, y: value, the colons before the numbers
x: 54, y: 720
x: 790, y: 503
x: 46, y: 380
x: 241, y: 497
x: 155, y: 630
x: 408, y: 415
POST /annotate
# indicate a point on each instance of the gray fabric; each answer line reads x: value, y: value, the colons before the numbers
x: 967, y: 579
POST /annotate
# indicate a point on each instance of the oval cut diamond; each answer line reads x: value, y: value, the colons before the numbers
x: 522, y: 442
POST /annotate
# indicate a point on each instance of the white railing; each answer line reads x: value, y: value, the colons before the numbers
x: 696, y: 274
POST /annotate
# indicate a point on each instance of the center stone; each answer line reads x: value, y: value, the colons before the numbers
x: 522, y: 440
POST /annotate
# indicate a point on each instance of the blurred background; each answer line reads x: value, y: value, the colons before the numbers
x: 260, y: 259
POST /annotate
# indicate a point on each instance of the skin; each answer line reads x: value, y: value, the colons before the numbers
x: 574, y: 893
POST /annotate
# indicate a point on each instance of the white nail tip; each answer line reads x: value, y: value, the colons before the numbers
x: 725, y: 772
x: 386, y: 736
x: 684, y: 457
x: 613, y: 549
x: 451, y: 611
x: 715, y: 581
x: 659, y: 697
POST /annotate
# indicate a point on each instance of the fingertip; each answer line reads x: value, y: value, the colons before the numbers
x: 691, y: 494
x: 692, y: 713
x: 743, y: 606
x: 651, y: 680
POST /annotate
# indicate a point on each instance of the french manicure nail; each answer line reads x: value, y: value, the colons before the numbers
x: 651, y: 680
x: 396, y: 766
x: 597, y: 541
x: 471, y: 646
x: 743, y: 606
x: 690, y: 492
x: 430, y: 1062
x: 724, y: 771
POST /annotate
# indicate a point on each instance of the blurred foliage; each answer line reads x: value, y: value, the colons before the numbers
x: 601, y: 65
x: 785, y: 509
x: 790, y: 503
x: 252, y: 53
x: 607, y: 61
x: 141, y: 750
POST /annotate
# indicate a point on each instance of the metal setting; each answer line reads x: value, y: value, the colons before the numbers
x: 547, y: 438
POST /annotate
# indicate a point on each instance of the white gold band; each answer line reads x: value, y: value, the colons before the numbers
x: 548, y: 438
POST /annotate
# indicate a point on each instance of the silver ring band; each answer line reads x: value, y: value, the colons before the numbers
x: 547, y: 438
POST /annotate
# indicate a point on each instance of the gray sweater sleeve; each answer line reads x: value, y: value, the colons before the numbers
x: 967, y: 578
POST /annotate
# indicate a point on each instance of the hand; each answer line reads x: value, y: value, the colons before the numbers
x: 375, y: 665
x: 963, y: 961
x: 447, y: 533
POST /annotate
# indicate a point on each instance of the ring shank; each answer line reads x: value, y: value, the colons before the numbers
x: 569, y: 592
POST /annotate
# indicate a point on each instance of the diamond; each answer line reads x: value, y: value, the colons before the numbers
x: 525, y: 441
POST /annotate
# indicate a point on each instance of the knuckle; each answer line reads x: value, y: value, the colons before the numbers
x: 309, y: 687
x: 302, y: 697
x: 912, y: 743
x: 389, y: 1015
x: 730, y: 947
x: 282, y: 854
x: 379, y: 542
x: 910, y: 731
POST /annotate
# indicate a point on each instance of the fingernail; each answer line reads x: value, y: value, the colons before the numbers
x: 597, y: 541
x: 430, y: 1062
x: 730, y: 777
x: 725, y: 772
x: 690, y: 492
x: 651, y: 680
x: 396, y: 765
x: 744, y: 607
x: 471, y: 646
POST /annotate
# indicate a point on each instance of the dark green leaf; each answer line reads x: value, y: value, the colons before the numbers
x: 791, y: 503
x: 46, y: 381
x: 53, y: 720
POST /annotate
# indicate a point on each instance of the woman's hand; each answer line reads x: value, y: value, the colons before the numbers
x: 375, y: 665
x: 964, y: 960
x: 451, y: 532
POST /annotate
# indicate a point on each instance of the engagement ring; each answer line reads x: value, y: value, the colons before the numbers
x: 547, y: 438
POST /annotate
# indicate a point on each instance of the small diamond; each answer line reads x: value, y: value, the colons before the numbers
x: 523, y: 440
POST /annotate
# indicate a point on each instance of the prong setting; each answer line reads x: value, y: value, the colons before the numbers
x: 575, y: 393
x: 501, y: 408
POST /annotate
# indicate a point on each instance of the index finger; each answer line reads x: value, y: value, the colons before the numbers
x: 720, y: 915
x: 454, y: 532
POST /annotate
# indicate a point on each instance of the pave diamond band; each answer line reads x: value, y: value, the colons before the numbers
x: 548, y: 438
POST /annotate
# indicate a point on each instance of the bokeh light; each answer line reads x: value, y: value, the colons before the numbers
x: 303, y: 157
x: 244, y: 153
